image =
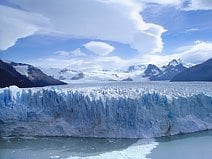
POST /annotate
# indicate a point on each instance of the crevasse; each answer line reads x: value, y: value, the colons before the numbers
x: 114, y: 112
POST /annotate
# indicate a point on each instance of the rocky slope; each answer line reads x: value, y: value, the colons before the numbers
x: 24, y: 75
x: 201, y: 72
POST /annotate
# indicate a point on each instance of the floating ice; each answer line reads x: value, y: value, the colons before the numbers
x: 139, y: 150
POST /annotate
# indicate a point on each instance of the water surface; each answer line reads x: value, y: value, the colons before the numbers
x: 190, y: 146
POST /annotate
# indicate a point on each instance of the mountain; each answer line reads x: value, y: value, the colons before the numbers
x: 136, y: 68
x: 24, y: 75
x: 64, y: 74
x: 127, y: 79
x: 172, y: 69
x: 152, y: 71
x: 85, y: 75
x: 9, y: 76
x: 132, y: 73
x: 201, y: 72
x: 78, y: 76
x: 167, y: 72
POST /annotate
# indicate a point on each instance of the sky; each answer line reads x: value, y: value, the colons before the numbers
x: 105, y: 34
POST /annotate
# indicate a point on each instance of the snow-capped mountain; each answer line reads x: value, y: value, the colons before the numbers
x: 201, y: 72
x: 154, y: 73
x: 169, y: 71
x: 9, y: 76
x: 68, y: 75
x: 136, y: 68
x: 151, y: 71
x: 132, y: 73
x: 24, y: 75
x: 78, y: 76
x: 64, y: 74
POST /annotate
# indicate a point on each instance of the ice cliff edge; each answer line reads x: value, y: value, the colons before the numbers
x: 96, y: 112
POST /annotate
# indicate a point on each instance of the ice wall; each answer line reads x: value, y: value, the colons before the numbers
x: 102, y: 112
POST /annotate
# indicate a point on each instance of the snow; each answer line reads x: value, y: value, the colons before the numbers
x: 134, y: 72
x: 174, y: 63
x: 139, y: 150
x: 60, y: 74
x: 95, y: 75
x: 155, y: 72
x: 113, y: 109
x: 53, y: 157
x: 137, y: 68
x: 22, y: 69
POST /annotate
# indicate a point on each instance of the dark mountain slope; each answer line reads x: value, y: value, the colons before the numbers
x: 9, y: 76
x: 35, y: 77
x: 201, y: 72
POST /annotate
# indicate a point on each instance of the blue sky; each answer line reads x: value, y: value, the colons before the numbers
x: 105, y: 33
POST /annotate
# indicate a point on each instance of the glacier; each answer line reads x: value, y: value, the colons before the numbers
x: 112, y: 110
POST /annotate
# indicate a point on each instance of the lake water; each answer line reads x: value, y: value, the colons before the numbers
x: 190, y: 146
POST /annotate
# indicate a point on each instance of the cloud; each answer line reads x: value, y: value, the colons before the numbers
x: 79, y: 60
x: 197, y: 53
x: 16, y: 23
x: 77, y: 53
x: 163, y: 2
x: 192, y: 29
x: 50, y: 59
x: 99, y: 48
x: 108, y: 20
x: 84, y: 63
x: 193, y: 54
x: 72, y: 54
x: 198, y: 5
x: 186, y: 5
x: 62, y: 53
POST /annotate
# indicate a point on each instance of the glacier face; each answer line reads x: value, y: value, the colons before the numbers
x: 117, y: 110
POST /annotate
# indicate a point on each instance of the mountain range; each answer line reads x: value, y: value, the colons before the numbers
x: 24, y: 75
x: 166, y: 72
x: 149, y: 72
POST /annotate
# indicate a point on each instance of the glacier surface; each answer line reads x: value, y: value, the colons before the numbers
x: 116, y: 110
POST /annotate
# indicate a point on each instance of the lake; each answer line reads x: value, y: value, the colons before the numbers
x: 189, y: 146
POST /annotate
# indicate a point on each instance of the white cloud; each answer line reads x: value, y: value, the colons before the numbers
x: 79, y: 60
x: 192, y: 29
x: 197, y: 53
x: 75, y: 53
x: 84, y: 63
x: 113, y: 20
x: 50, y: 59
x: 193, y: 54
x: 185, y: 5
x: 99, y: 48
x: 198, y: 5
x: 62, y: 53
x: 163, y: 2
x: 17, y: 24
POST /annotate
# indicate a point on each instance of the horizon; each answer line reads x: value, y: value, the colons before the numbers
x: 105, y: 34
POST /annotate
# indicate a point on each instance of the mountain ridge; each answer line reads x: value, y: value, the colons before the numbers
x: 24, y: 75
x: 200, y: 72
x: 139, y: 72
